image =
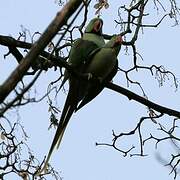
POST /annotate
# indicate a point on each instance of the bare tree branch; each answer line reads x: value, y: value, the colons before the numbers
x: 140, y: 99
x: 60, y: 19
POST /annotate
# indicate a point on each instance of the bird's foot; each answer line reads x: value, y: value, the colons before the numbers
x: 89, y: 76
x: 92, y: 78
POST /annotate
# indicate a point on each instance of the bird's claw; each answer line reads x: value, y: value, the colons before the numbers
x: 89, y: 76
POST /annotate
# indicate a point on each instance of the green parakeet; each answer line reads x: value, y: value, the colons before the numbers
x: 80, y: 50
x: 103, y: 64
x: 82, y: 47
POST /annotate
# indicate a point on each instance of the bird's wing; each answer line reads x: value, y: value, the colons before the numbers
x: 102, y: 64
x: 94, y: 89
x: 80, y: 50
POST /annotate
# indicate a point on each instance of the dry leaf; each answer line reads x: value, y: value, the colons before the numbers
x: 3, y: 136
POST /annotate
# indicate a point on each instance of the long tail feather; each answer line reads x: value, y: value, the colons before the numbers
x: 69, y: 107
x: 65, y: 123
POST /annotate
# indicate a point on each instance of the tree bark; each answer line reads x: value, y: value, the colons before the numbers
x: 60, y: 19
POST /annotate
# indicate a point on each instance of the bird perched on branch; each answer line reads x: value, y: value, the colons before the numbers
x: 102, y: 64
x: 82, y: 47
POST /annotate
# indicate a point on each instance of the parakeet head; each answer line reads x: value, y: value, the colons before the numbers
x: 116, y: 40
x: 94, y: 26
x: 115, y: 43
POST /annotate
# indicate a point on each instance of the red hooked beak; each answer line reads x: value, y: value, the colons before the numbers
x: 97, y: 26
x: 119, y: 39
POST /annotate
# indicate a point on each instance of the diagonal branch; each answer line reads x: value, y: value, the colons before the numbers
x: 10, y: 42
x: 60, y: 19
x: 19, y: 96
x: 131, y: 95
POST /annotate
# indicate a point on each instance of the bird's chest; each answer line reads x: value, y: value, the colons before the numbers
x: 102, y: 64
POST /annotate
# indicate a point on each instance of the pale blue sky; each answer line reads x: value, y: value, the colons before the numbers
x: 78, y: 157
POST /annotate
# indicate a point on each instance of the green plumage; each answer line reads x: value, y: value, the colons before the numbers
x: 95, y: 38
x: 92, y: 39
x: 82, y: 47
x: 103, y: 64
x: 93, y: 32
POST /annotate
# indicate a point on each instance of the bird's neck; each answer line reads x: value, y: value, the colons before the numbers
x: 97, y: 39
